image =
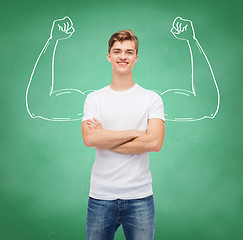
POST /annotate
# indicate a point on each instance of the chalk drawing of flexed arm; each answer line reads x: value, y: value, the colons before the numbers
x: 202, y: 100
x: 42, y: 100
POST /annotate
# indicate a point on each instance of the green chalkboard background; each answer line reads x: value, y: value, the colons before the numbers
x: 45, y: 167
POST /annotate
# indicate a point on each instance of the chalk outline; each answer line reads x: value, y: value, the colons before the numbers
x: 62, y: 91
x: 65, y: 91
x: 179, y: 30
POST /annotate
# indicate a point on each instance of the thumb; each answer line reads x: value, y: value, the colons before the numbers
x: 174, y: 30
x: 71, y: 30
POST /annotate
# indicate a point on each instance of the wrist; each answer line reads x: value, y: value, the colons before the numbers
x: 192, y: 39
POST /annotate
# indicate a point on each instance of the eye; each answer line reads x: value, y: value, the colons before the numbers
x: 130, y: 53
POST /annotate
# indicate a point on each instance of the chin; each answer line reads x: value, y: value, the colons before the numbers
x: 123, y: 72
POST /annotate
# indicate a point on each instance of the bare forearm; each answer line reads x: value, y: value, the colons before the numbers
x: 139, y: 145
x: 106, y: 139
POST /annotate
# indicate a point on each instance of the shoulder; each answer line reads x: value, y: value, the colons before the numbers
x: 149, y: 93
x: 93, y: 94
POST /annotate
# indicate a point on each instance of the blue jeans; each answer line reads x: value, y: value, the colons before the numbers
x: 137, y: 218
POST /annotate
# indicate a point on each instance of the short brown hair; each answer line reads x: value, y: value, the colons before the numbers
x: 121, y: 36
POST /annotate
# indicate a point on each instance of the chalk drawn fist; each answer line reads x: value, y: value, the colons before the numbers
x: 62, y: 29
x: 183, y: 29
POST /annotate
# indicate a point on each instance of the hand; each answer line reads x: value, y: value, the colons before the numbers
x: 183, y: 29
x: 94, y: 123
x: 62, y: 29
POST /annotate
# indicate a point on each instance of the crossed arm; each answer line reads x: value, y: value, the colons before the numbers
x: 124, y: 142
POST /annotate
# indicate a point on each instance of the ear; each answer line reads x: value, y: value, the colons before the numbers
x: 108, y: 57
x: 136, y: 58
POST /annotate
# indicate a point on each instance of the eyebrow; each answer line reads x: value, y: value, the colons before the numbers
x: 120, y: 49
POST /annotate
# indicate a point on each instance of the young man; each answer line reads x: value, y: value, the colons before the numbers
x: 124, y: 122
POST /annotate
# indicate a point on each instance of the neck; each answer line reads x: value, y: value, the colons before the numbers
x: 122, y: 82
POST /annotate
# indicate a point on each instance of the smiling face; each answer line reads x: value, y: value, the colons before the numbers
x: 123, y: 56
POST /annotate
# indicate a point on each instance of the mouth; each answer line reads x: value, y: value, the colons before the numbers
x: 122, y: 63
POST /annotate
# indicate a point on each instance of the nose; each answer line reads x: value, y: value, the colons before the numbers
x: 123, y: 55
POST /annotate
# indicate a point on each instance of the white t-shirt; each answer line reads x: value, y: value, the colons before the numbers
x: 117, y: 175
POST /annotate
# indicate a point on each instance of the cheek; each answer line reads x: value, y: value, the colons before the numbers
x: 134, y: 61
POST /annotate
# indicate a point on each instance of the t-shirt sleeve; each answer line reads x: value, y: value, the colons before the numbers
x: 89, y: 110
x: 156, y: 108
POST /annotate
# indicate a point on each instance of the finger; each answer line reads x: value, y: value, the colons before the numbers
x: 67, y: 24
x: 96, y: 123
x: 180, y: 27
x: 91, y: 121
x: 91, y: 125
x: 174, y: 30
x: 175, y: 21
x: 184, y: 28
x: 67, y: 19
x: 64, y: 27
x: 60, y: 27
x: 71, y: 30
x: 184, y: 20
x: 96, y: 120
